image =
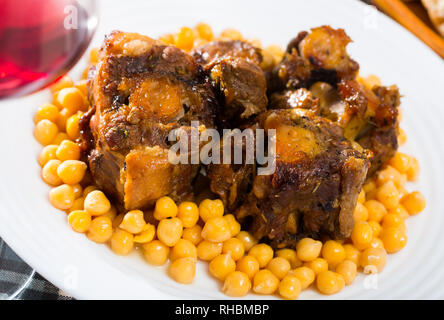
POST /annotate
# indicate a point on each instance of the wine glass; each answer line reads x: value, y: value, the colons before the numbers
x: 41, y: 40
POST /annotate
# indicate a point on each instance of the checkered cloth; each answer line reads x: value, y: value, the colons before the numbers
x: 14, y: 273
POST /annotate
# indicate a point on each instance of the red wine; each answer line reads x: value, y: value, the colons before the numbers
x: 40, y: 40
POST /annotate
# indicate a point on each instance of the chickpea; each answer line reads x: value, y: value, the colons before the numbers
x: 183, y: 249
x: 183, y: 270
x: 234, y: 226
x: 400, y: 211
x: 402, y: 191
x: 169, y: 231
x: 204, y: 31
x: 247, y: 239
x: 376, y: 228
x: 46, y: 111
x: 156, y: 252
x: 167, y: 38
x: 318, y: 265
x: 394, y: 239
x: 59, y: 138
x: 348, y: 270
x: 45, y: 131
x: 62, y: 197
x: 71, y: 99
x: 72, y: 171
x: 414, y: 202
x: 276, y: 51
x: 146, y: 235
x: 49, y: 173
x: 413, y: 170
x: 267, y: 60
x: 390, y: 174
x: 96, y: 203
x: 376, y: 243
x: 100, y: 230
x: 78, y: 191
x: 308, y: 249
x: 375, y: 209
x: 393, y: 220
x: 351, y: 253
x: 165, y: 208
x: 211, y: 209
x: 64, y: 82
x: 248, y: 265
x: 360, y: 213
x: 216, y: 230
x: 79, y: 220
x: 48, y: 153
x: 291, y: 256
x: 400, y: 112
x: 402, y: 137
x: 279, y: 267
x: 263, y: 254
x: 400, y: 162
x: 369, y: 186
x: 133, y: 221
x: 388, y: 195
x: 371, y: 81
x: 221, y: 266
x: 188, y: 212
x: 362, y: 235
x: 265, y: 282
x: 290, y: 287
x: 185, y: 39
x: 77, y: 204
x: 82, y: 84
x: 207, y: 250
x: 64, y: 114
x: 305, y: 275
x: 329, y: 282
x: 236, y: 284
x: 373, y: 260
x: 193, y: 234
x: 235, y: 247
x: 68, y: 150
x: 72, y: 126
x: 333, y: 252
x: 231, y: 34
x: 122, y: 242
x: 94, y: 56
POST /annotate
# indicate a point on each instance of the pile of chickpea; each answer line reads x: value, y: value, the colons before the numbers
x: 188, y: 38
x: 187, y: 232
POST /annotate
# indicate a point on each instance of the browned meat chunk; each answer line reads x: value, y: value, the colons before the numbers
x: 315, y: 186
x: 368, y: 116
x: 141, y: 90
x: 320, y: 55
x: 381, y: 135
x: 235, y: 72
x: 232, y: 182
x: 319, y: 61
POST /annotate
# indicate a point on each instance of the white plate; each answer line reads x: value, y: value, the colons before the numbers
x: 41, y: 236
